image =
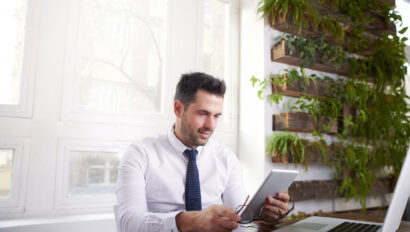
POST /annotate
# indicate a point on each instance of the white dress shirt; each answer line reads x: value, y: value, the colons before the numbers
x: 151, y: 182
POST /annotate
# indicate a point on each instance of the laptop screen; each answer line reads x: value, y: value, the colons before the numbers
x: 400, y: 198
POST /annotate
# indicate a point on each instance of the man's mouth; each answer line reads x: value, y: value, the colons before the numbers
x: 204, y: 133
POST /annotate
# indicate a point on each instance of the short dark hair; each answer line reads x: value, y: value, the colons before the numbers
x: 190, y: 83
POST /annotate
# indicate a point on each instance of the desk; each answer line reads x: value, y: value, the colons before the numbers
x: 404, y: 227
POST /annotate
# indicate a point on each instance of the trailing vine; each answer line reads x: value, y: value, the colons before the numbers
x: 378, y: 133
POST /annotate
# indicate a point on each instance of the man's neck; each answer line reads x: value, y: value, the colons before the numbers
x: 178, y: 134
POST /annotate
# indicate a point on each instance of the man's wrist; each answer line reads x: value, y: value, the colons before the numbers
x: 182, y: 221
x: 185, y: 221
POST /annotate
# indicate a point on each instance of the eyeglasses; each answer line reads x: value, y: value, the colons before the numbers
x: 250, y: 216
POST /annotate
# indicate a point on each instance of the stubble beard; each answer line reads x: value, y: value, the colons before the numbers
x: 191, y: 136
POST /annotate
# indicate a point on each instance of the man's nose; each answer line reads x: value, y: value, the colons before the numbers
x: 210, y: 123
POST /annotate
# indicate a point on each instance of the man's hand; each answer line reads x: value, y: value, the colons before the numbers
x: 215, y: 218
x: 274, y: 205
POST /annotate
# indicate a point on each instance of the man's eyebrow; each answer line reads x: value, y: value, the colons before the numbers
x: 204, y: 111
x: 207, y: 112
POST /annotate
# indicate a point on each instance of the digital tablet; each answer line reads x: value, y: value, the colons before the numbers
x: 277, y: 181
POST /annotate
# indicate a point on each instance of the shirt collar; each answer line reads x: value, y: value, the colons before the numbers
x: 178, y: 145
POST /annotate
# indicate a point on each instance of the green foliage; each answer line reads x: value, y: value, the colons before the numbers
x: 302, y: 14
x: 284, y: 145
x: 357, y: 170
x: 314, y: 50
x: 261, y: 84
x: 278, y: 145
x: 378, y: 133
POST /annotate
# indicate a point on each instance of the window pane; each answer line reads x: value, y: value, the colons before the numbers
x: 403, y: 7
x: 6, y: 167
x: 215, y: 46
x: 92, y: 172
x: 216, y: 25
x: 12, y: 24
x: 122, y: 46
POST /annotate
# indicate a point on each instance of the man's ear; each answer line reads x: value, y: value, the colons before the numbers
x: 178, y: 108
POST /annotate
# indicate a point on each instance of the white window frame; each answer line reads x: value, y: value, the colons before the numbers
x: 73, y: 112
x: 229, y: 119
x: 86, y: 202
x: 25, y: 107
x: 16, y: 201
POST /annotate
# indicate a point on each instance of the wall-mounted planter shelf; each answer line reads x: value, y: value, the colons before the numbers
x: 302, y: 122
x: 293, y: 88
x: 329, y: 189
x: 281, y: 54
x: 376, y: 27
x: 289, y: 88
x: 312, y: 155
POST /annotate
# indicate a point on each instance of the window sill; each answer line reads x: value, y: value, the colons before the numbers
x: 65, y: 223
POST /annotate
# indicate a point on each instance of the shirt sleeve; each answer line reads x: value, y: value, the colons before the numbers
x: 235, y: 192
x: 133, y: 213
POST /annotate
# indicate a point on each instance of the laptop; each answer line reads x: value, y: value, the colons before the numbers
x: 391, y: 221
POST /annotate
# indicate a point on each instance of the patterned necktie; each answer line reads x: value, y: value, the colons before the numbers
x: 192, y: 186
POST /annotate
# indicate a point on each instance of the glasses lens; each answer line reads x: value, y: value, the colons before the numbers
x: 247, y: 216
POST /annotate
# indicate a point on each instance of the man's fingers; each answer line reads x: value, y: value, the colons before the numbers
x: 272, y: 210
x: 283, y: 196
x: 278, y: 203
x: 269, y: 213
x: 218, y: 218
x: 275, y: 210
x: 227, y: 212
x: 223, y: 222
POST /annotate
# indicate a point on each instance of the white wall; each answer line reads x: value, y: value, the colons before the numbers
x: 251, y: 110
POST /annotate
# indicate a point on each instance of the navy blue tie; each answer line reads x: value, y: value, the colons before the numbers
x: 192, y: 186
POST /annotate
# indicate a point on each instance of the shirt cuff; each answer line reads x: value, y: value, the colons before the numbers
x: 170, y: 222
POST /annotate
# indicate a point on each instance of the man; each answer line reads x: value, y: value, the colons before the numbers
x: 185, y: 181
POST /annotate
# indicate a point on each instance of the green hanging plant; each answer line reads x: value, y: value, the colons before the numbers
x: 302, y: 14
x: 279, y: 145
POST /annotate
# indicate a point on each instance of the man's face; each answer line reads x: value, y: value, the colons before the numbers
x: 199, y: 120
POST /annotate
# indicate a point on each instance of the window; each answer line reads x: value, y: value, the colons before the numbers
x: 6, y: 167
x: 105, y: 74
x: 120, y: 48
x: 403, y: 7
x: 87, y: 173
x: 13, y: 170
x: 12, y: 22
x: 92, y: 172
x: 16, y: 40
x: 216, y: 57
x: 215, y: 37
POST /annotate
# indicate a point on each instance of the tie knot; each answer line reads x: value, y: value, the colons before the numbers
x: 191, y: 154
